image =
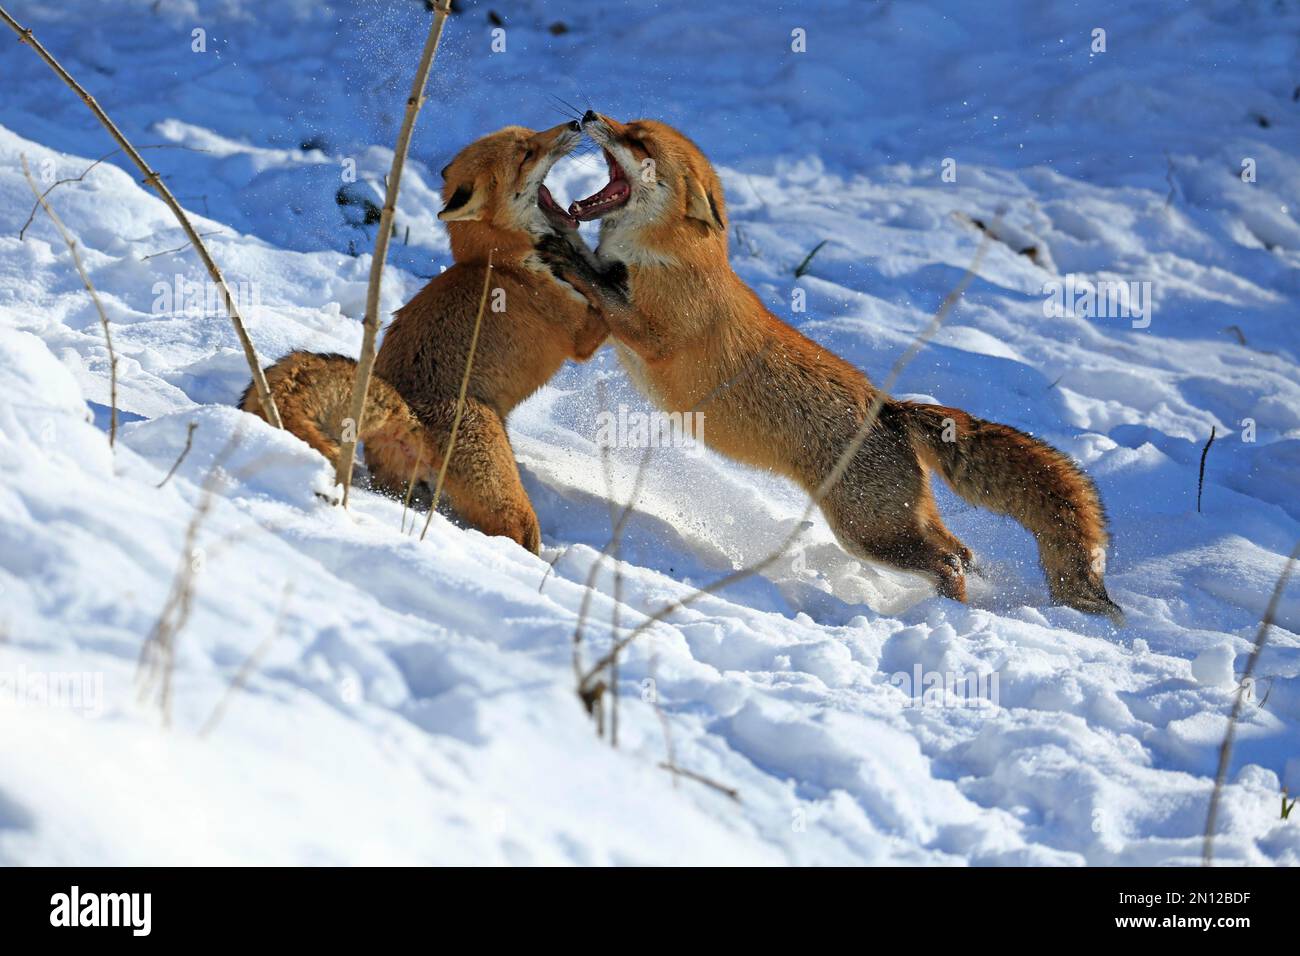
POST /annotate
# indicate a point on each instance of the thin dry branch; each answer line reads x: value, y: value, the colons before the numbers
x: 607, y: 469
x: 590, y: 681
x: 90, y: 287
x: 157, y: 662
x: 189, y: 440
x: 1200, y: 480
x: 366, y: 361
x: 251, y: 663
x: 1230, y: 735
x: 410, y: 489
x: 722, y: 788
x: 180, y: 248
x: 36, y: 206
x: 151, y: 178
x: 616, y: 533
x: 460, y: 400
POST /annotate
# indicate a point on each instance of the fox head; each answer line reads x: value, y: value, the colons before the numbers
x: 494, y: 197
x: 663, y: 194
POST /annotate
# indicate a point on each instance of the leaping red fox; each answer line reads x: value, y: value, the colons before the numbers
x: 792, y: 406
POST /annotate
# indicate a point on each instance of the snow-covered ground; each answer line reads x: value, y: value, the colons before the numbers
x: 413, y: 701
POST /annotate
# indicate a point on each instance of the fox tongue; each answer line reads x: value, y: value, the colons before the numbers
x: 614, y: 194
x: 548, y: 204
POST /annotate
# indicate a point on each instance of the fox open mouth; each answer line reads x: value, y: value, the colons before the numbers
x: 546, y: 202
x: 614, y: 194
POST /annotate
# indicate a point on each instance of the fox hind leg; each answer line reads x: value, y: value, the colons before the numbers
x: 482, y: 483
x: 881, y: 524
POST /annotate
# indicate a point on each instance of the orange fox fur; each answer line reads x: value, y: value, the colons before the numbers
x: 494, y: 203
x: 792, y: 406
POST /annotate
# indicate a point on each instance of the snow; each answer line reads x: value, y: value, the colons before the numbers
x: 413, y: 701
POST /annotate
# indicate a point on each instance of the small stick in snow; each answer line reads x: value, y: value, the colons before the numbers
x: 731, y: 792
x: 36, y: 206
x: 392, y: 183
x: 180, y: 248
x: 623, y: 518
x: 151, y: 178
x: 663, y: 718
x: 1200, y: 481
x: 410, y: 488
x: 607, y: 469
x: 250, y: 665
x: 1230, y: 735
x: 90, y: 287
x: 460, y: 400
x: 189, y: 440
x: 802, y: 268
x: 157, y: 663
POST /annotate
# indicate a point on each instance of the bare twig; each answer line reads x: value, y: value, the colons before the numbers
x: 663, y: 717
x: 90, y: 287
x: 157, y: 662
x: 240, y: 680
x: 618, y: 577
x: 460, y: 400
x: 189, y: 440
x: 1230, y: 735
x: 588, y: 681
x: 410, y: 488
x: 550, y: 567
x: 36, y: 206
x: 625, y: 516
x: 731, y: 792
x: 151, y: 178
x: 1200, y: 481
x: 802, y: 268
x: 180, y: 248
x: 366, y: 361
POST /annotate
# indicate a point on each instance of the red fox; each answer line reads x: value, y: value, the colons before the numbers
x: 792, y: 406
x: 494, y: 202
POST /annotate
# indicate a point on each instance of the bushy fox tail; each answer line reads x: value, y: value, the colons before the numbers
x: 313, y: 393
x: 1004, y: 470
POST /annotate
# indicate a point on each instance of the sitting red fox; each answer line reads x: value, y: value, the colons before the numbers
x: 495, y: 202
x: 793, y: 406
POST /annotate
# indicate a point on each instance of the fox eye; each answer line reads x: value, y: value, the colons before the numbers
x: 638, y: 143
x: 528, y: 154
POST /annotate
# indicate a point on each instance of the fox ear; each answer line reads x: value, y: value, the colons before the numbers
x: 465, y: 203
x: 701, y: 205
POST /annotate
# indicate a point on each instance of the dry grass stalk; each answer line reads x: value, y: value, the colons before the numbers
x: 189, y: 441
x: 460, y: 400
x: 157, y: 663
x: 590, y: 684
x: 392, y: 184
x: 251, y: 663
x: 90, y: 287
x: 151, y: 178
x: 616, y: 534
x: 410, y: 489
x: 1200, y: 480
x: 1230, y: 735
x: 36, y: 206
x: 722, y: 788
x: 608, y: 471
